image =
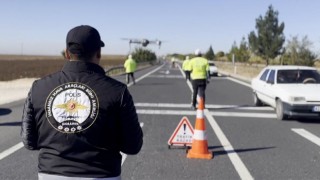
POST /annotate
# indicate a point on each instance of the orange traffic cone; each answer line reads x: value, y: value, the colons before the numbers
x: 199, y: 148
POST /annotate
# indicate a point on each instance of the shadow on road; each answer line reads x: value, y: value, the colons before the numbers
x: 218, y: 153
x: 5, y: 111
x: 10, y: 123
x: 310, y: 120
x: 214, y: 147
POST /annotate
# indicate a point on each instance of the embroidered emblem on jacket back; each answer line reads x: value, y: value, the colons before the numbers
x: 72, y: 107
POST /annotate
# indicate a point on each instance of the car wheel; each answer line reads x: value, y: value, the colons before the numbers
x: 256, y: 100
x: 280, y: 111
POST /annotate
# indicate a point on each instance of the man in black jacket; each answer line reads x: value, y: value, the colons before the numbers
x: 79, y: 118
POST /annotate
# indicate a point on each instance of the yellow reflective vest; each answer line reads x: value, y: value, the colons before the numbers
x: 130, y: 65
x: 199, y: 67
x: 186, y: 65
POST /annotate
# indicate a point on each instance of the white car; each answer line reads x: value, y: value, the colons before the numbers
x: 294, y: 91
x: 213, y: 70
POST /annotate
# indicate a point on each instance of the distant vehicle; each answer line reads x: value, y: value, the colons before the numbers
x: 143, y: 42
x: 292, y: 90
x: 213, y: 70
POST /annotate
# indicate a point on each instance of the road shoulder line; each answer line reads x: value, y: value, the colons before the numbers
x: 11, y: 150
x: 233, y: 156
x: 306, y: 134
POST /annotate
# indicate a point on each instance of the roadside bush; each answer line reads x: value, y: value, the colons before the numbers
x: 143, y: 55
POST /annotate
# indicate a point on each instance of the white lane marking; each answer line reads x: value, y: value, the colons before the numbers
x: 306, y: 134
x: 188, y: 82
x: 213, y: 106
x: 124, y: 156
x: 11, y: 150
x: 166, y: 76
x: 233, y: 156
x: 171, y: 105
x: 222, y: 114
x: 165, y: 112
x: 144, y: 76
x: 240, y: 82
x: 241, y: 114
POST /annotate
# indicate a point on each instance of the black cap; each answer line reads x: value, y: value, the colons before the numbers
x: 83, y: 39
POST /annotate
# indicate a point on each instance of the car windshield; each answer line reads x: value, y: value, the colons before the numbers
x: 298, y: 76
x: 211, y: 64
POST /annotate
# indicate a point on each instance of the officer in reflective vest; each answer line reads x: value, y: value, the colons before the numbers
x: 130, y: 66
x: 186, y: 67
x: 199, y: 68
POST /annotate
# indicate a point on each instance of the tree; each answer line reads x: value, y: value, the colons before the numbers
x: 143, y: 55
x: 241, y: 53
x: 268, y: 43
x: 179, y: 56
x: 233, y: 51
x: 298, y: 52
x: 220, y: 54
x: 209, y: 54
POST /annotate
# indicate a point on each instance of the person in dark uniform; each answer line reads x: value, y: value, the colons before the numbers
x: 79, y: 118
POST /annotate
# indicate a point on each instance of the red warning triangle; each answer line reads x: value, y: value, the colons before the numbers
x: 182, y: 135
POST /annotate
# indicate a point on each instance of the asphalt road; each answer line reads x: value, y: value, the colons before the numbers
x: 247, y: 142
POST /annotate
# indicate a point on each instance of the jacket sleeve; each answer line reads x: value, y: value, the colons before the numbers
x: 131, y: 132
x: 29, y: 133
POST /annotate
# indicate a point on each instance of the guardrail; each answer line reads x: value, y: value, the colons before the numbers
x: 115, y: 70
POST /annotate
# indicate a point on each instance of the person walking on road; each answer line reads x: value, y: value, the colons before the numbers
x: 199, y: 68
x: 130, y: 65
x: 173, y: 63
x: 186, y: 67
x: 79, y: 118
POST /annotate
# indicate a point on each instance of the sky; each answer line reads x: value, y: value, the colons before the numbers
x: 39, y: 27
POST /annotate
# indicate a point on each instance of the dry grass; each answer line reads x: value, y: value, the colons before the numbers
x: 248, y: 71
x: 244, y: 70
x: 16, y: 67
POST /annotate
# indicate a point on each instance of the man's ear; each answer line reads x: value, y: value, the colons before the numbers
x: 67, y: 55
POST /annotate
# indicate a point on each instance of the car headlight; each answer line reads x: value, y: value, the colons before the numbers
x: 297, y: 98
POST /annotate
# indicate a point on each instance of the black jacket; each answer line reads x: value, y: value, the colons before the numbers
x: 80, y: 119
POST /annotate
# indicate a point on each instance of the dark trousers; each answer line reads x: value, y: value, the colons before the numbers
x: 198, y: 85
x: 187, y: 73
x: 132, y: 77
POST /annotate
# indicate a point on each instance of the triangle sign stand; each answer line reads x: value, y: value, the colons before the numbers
x: 182, y: 135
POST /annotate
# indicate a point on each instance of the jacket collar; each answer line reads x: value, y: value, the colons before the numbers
x: 81, y: 66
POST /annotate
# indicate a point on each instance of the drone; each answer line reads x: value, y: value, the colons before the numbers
x: 143, y: 42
